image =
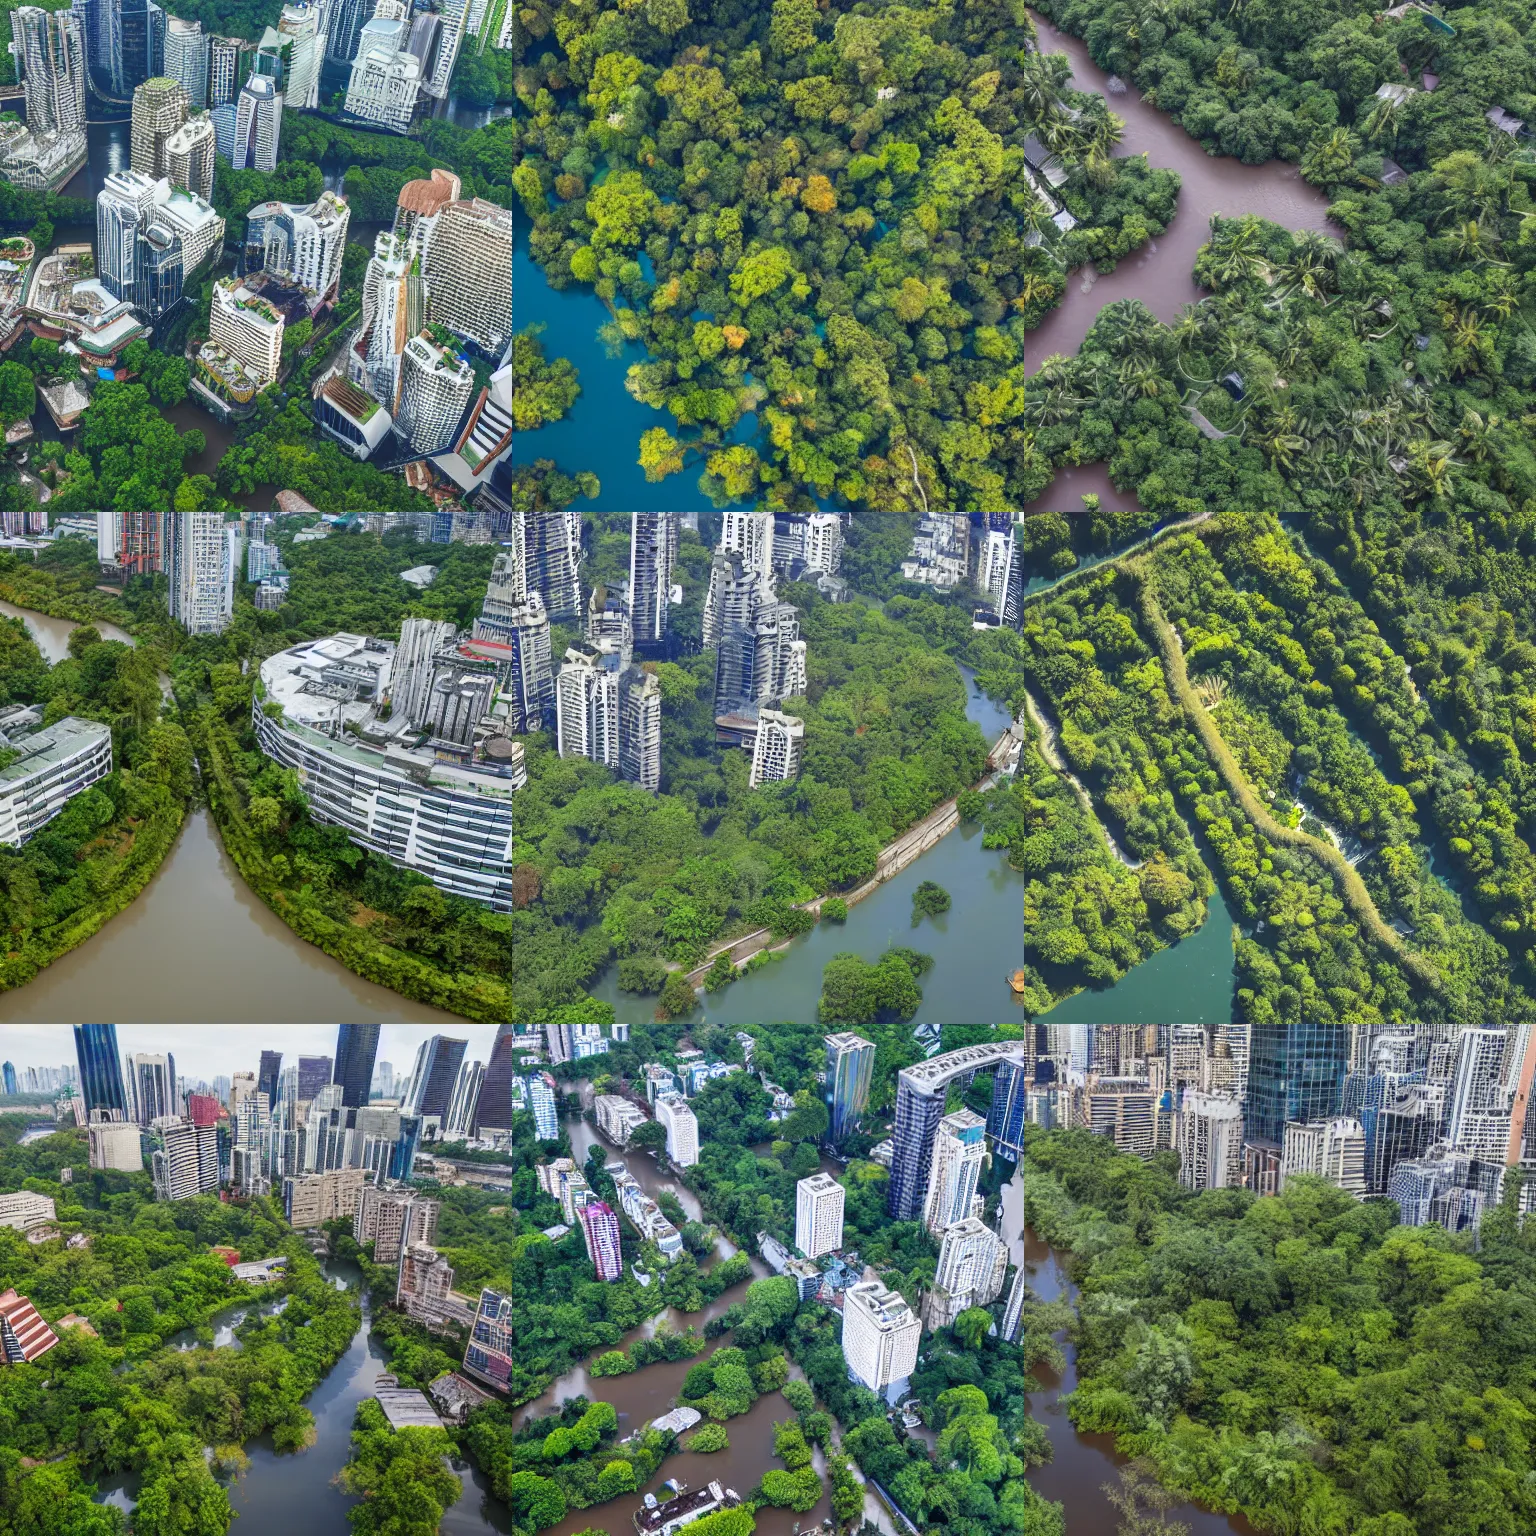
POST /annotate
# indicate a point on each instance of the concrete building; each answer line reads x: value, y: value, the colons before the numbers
x: 116, y: 1146
x: 777, y: 751
x: 302, y: 44
x: 121, y: 206
x: 1209, y: 1135
x: 973, y: 1262
x: 610, y: 712
x: 618, y: 1118
x: 53, y: 765
x: 159, y: 109
x: 959, y: 1152
x: 190, y: 153
x: 394, y: 310
x: 313, y: 1198
x: 673, y: 1112
x: 600, y: 1228
x: 187, y: 1161
x: 435, y: 387
x: 258, y: 125
x: 224, y: 69
x: 300, y: 243
x: 881, y: 1334
x: 1332, y: 1149
x: 151, y: 1081
x: 463, y: 1106
x: 199, y: 592
x: 653, y: 538
x: 469, y: 271
x: 246, y: 328
x: 50, y: 64
x: 392, y: 1219
x: 386, y: 79
x: 818, y: 1215
x: 186, y: 60
x: 22, y: 1209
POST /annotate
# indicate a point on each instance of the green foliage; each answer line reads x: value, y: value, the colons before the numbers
x: 709, y: 1437
x: 400, y: 1476
x: 929, y: 900
x: 856, y: 992
x: 541, y: 391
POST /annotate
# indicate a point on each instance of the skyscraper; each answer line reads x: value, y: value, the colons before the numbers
x: 344, y: 26
x: 1209, y: 1135
x: 152, y: 1084
x: 600, y: 1227
x: 465, y: 1100
x: 972, y: 1265
x: 356, y: 1046
x: 302, y: 243
x: 818, y: 1215
x: 195, y: 570
x: 433, y: 1077
x: 101, y: 1070
x: 266, y: 1077
x: 959, y: 1150
x: 777, y: 748
x: 435, y: 386
x: 50, y: 62
x: 247, y: 328
x: 189, y: 157
x: 159, y: 109
x: 881, y: 1334
x: 314, y: 1074
x: 653, y: 538
x: 258, y: 124
x: 224, y: 69
x: 186, y: 59
x: 10, y: 1078
x: 121, y: 206
x: 1295, y: 1072
x: 673, y: 1112
x: 469, y: 270
x: 437, y: 63
x: 187, y: 1163
x: 515, y: 615
x: 850, y: 1072
x: 1005, y: 1119
x: 494, y: 1107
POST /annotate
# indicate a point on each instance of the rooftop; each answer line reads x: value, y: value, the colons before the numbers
x: 42, y: 749
x: 404, y: 1407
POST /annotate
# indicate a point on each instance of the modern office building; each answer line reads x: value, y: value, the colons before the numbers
x: 198, y: 590
x: 465, y: 1100
x: 267, y: 1074
x: 449, y: 817
x: 258, y: 125
x: 302, y: 42
x: 435, y: 386
x: 190, y: 153
x: 959, y: 1152
x: 159, y: 109
x: 1295, y: 1072
x: 356, y: 1047
x: 343, y: 28
x: 115, y: 1145
x: 1331, y: 1149
x: 469, y: 271
x: 246, y: 328
x: 447, y: 39
x: 187, y: 1161
x: 124, y: 44
x: 125, y: 199
x: 973, y: 1262
x: 653, y: 539
x: 673, y: 1112
x: 151, y: 1087
x: 487, y: 1355
x: 9, y: 1070
x: 818, y: 1215
x: 1209, y: 1135
x: 600, y: 1228
x: 51, y: 766
x: 432, y: 1078
x: 186, y: 60
x: 1005, y: 1118
x: 920, y: 1094
x: 777, y: 749
x: 881, y: 1334
x: 849, y: 1076
x: 300, y: 243
x: 495, y: 1106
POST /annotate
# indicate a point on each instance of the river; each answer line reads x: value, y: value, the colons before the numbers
x: 197, y: 944
x: 1082, y: 1464
x: 1161, y: 274
x: 975, y: 945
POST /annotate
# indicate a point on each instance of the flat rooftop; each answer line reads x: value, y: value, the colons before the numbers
x: 42, y: 749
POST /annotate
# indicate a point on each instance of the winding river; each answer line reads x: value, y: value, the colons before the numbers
x: 975, y: 945
x: 1161, y: 274
x: 197, y: 944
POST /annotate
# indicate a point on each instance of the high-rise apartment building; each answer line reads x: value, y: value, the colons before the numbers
x: 600, y: 1227
x: 186, y: 60
x: 247, y: 328
x: 299, y: 28
x: 973, y: 1262
x: 1209, y: 1136
x: 258, y: 125
x: 435, y: 387
x: 189, y: 159
x: 514, y: 615
x: 196, y: 572
x: 386, y: 78
x: 356, y: 1046
x: 116, y: 1145
x: 494, y: 1107
x: 224, y: 70
x: 673, y: 1112
x: 187, y: 1162
x: 301, y: 243
x: 152, y: 1087
x: 959, y: 1152
x: 50, y: 63
x: 777, y: 749
x: 469, y: 272
x: 101, y: 1072
x: 653, y: 538
x: 610, y: 713
x: 159, y: 109
x: 1332, y: 1149
x: 881, y: 1334
x: 309, y: 1200
x: 818, y: 1215
x: 392, y: 1219
x: 849, y: 1077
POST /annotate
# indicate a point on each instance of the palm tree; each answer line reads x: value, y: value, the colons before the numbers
x: 1429, y: 467
x: 1042, y: 77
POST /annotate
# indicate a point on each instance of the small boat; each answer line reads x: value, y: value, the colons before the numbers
x: 1016, y: 981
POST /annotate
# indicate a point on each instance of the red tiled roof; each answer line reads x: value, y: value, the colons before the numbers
x: 23, y: 1324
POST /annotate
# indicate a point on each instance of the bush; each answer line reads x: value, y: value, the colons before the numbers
x: 835, y: 910
x: 709, y: 1437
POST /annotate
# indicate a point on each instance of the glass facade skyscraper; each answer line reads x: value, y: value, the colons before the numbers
x: 494, y: 1109
x: 850, y: 1071
x: 436, y: 1070
x: 101, y: 1068
x: 1005, y: 1119
x: 1295, y: 1072
x: 356, y: 1046
x: 266, y: 1078
x: 314, y: 1074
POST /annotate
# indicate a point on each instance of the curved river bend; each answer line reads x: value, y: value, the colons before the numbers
x: 198, y: 944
